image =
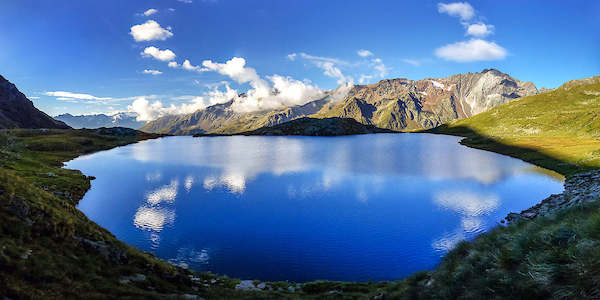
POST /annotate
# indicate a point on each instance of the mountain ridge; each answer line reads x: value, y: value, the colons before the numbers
x: 396, y: 104
x: 16, y: 111
x: 122, y: 119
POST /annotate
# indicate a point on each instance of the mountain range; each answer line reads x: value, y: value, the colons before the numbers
x: 122, y: 119
x: 16, y: 111
x: 396, y: 104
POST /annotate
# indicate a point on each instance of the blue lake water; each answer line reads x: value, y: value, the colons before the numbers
x: 368, y: 207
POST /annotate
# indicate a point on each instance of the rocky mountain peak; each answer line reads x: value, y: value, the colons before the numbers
x: 395, y: 104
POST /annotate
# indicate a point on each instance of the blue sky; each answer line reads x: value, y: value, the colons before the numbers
x: 85, y: 57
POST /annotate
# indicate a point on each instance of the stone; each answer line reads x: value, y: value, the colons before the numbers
x: 579, y: 189
x: 105, y: 249
x: 246, y: 285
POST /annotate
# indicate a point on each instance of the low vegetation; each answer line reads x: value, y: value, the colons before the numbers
x: 49, y: 249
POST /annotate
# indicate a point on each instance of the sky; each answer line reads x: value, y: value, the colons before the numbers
x: 155, y: 58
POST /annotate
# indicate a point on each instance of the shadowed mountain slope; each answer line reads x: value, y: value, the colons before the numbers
x: 16, y: 111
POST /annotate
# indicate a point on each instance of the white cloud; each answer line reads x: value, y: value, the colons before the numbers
x: 364, y: 78
x: 62, y: 95
x: 185, y: 1
x: 292, y: 56
x: 164, y: 55
x: 284, y: 90
x: 364, y: 53
x: 150, y: 31
x: 188, y: 66
x: 153, y: 72
x: 480, y: 30
x: 329, y: 65
x: 331, y: 70
x: 173, y: 64
x: 322, y: 58
x: 471, y: 50
x: 413, y: 62
x: 380, y: 67
x: 150, y: 12
x: 34, y: 98
x: 147, y: 111
x: 463, y: 10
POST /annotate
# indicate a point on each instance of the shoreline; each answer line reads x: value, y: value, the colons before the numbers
x: 210, y: 284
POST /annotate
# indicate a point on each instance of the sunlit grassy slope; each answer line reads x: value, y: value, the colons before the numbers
x: 559, y: 130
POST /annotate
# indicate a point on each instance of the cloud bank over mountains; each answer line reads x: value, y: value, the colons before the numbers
x: 262, y: 92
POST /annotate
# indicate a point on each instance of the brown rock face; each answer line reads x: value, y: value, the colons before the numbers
x: 407, y: 104
x: 397, y: 104
x: 16, y: 111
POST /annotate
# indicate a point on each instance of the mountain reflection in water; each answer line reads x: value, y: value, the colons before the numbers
x: 371, y: 207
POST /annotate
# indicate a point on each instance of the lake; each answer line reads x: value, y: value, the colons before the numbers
x: 354, y: 208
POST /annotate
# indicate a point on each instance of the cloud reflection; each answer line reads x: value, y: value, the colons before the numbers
x: 166, y: 193
x: 153, y: 218
x: 471, y: 206
x: 238, y: 160
x: 466, y: 202
x: 189, y: 182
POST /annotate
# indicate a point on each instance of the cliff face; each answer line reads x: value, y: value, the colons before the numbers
x: 16, y: 111
x: 407, y: 104
x: 397, y: 104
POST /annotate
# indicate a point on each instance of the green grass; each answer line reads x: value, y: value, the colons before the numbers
x: 555, y: 256
x: 558, y: 130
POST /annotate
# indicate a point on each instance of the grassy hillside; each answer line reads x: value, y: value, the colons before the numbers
x: 50, y: 250
x: 552, y: 256
x: 559, y: 130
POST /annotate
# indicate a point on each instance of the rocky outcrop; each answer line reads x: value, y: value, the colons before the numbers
x: 396, y: 104
x: 16, y: 111
x: 580, y: 189
x: 408, y: 104
x: 576, y: 82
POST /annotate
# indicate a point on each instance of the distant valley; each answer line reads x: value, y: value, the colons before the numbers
x: 121, y: 119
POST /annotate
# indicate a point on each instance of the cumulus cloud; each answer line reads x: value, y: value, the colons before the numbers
x: 188, y: 66
x: 150, y: 12
x: 263, y: 95
x: 149, y: 31
x: 463, y: 10
x: 475, y: 49
x: 68, y: 95
x: 471, y: 50
x: 480, y: 30
x: 364, y: 53
x: 152, y: 72
x: 173, y: 64
x: 164, y: 55
x: 148, y: 111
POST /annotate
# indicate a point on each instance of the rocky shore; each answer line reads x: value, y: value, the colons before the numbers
x: 581, y: 188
